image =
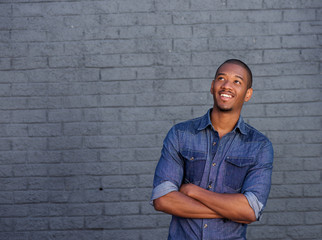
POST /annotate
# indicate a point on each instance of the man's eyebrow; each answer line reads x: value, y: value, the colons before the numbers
x: 238, y: 76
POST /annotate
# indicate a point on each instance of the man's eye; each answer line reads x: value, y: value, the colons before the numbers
x: 220, y: 78
x: 237, y: 82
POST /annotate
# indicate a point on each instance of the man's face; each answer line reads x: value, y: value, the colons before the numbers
x: 229, y: 89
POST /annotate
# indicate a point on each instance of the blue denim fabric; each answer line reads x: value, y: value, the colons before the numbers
x: 239, y: 162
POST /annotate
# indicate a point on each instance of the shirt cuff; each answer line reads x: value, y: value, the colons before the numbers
x: 256, y: 205
x: 162, y: 189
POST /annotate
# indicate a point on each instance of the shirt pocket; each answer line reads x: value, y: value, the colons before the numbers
x: 236, y: 169
x: 194, y: 164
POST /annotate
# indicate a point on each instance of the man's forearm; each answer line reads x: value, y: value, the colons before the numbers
x: 231, y: 206
x: 178, y: 204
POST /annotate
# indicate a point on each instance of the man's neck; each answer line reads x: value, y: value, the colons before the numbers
x: 223, y: 122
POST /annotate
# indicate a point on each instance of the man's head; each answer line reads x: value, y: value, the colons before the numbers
x: 231, y: 86
x: 242, y: 64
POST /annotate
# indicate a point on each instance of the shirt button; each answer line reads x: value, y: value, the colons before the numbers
x: 214, y: 164
x: 205, y: 226
x: 209, y: 186
x: 192, y: 158
x: 214, y: 143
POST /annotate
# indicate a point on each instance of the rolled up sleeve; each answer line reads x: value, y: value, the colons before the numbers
x: 169, y: 171
x: 257, y: 184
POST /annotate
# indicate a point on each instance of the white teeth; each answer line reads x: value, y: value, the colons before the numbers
x: 225, y: 95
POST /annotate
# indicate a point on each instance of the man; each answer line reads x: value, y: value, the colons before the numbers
x: 214, y: 174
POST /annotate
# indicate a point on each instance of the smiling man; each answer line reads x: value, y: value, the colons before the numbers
x: 214, y: 173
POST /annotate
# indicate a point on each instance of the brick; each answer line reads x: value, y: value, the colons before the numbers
x: 284, y: 68
x: 31, y: 224
x: 101, y: 142
x: 117, y: 155
x: 5, y: 10
x: 124, y: 100
x: 313, y: 190
x: 138, y: 221
x: 73, y: 183
x: 59, y: 143
x: 312, y: 163
x: 115, y: 128
x: 102, y: 60
x: 296, y: 109
x: 64, y: 115
x: 124, y: 208
x: 13, y: 211
x: 275, y: 56
x: 110, y: 74
x: 66, y: 223
x: 40, y: 183
x: 300, y: 41
x: 106, y: 222
x: 81, y: 129
x: 303, y: 204
x: 98, y: 7
x: 143, y: 167
x: 264, y: 16
x: 299, y: 15
x: 310, y: 27
x: 109, y: 46
x: 137, y: 114
x: 126, y: 234
x: 302, y: 177
x: 286, y: 191
x: 313, y: 218
x: 43, y: 156
x: 169, y: 98
x: 136, y: 86
x: 267, y: 232
x: 154, y: 127
x: 140, y: 194
x: 42, y: 130
x: 137, y: 141
x: 15, y: 103
x: 13, y: 49
x: 192, y: 44
x: 244, y: 42
x: 66, y: 61
x: 6, y: 198
x: 28, y: 36
x: 5, y: 64
x: 29, y: 116
x: 24, y: 144
x: 159, y: 233
x: 168, y: 5
x: 30, y: 196
x: 300, y: 232
x: 29, y: 170
x: 101, y: 114
x: 84, y: 210
x: 6, y: 224
x: 191, y: 17
x: 100, y: 88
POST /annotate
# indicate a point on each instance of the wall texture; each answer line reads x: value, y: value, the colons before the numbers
x: 88, y: 90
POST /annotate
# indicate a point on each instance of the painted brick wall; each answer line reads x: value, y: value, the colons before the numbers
x: 88, y: 90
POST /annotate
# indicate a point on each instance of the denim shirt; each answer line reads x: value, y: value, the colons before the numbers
x: 239, y: 162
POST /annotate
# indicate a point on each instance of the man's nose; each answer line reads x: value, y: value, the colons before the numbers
x: 226, y: 84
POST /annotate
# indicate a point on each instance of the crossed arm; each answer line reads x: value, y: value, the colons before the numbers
x: 192, y: 201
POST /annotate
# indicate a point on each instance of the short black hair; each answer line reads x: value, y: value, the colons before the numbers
x: 242, y: 64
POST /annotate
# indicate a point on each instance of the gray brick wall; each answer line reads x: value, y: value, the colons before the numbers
x: 88, y: 90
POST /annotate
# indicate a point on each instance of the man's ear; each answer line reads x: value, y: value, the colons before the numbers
x: 249, y: 94
x: 212, y: 87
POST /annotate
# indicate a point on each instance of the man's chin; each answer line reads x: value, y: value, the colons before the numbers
x: 221, y: 109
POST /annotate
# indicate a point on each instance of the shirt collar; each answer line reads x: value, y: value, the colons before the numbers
x: 205, y: 122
